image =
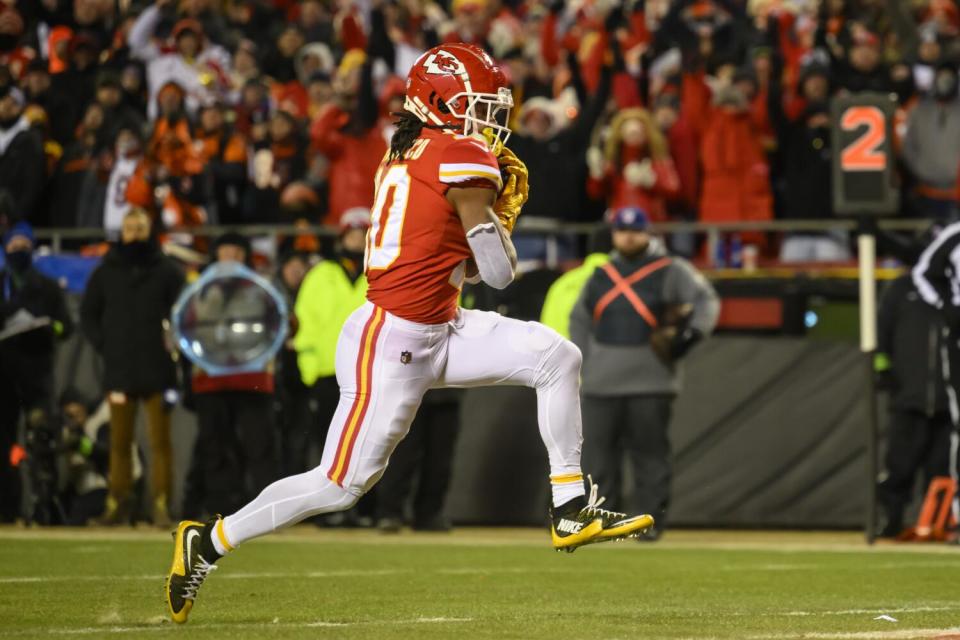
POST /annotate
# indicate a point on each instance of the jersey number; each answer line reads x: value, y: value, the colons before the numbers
x: 864, y: 153
x: 389, y: 209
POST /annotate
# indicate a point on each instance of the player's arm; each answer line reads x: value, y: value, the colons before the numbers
x: 493, y: 251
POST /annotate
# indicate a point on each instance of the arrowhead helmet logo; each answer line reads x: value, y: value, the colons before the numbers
x: 443, y: 63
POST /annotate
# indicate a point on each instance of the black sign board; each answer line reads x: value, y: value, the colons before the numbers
x: 864, y: 179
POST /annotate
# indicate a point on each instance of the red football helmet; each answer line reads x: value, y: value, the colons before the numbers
x: 459, y: 87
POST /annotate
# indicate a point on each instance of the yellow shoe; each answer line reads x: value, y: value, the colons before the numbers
x: 581, y: 522
x: 572, y: 527
x: 616, y: 525
x: 189, y: 568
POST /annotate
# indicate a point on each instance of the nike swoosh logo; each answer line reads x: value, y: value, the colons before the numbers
x: 188, y: 547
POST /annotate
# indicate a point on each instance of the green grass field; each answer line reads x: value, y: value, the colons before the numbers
x: 484, y: 583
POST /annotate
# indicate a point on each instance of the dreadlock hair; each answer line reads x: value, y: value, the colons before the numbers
x: 408, y: 130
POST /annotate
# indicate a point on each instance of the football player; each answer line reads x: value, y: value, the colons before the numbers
x: 448, y: 194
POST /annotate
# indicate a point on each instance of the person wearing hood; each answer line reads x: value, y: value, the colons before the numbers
x: 735, y: 178
x: 61, y: 108
x: 78, y: 79
x: 637, y: 316
x: 931, y: 147
x: 127, y: 299
x: 201, y: 67
x: 805, y: 183
x: 33, y: 315
x: 22, y: 164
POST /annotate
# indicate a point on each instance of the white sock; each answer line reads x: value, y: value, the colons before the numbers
x: 219, y: 539
x: 566, y: 486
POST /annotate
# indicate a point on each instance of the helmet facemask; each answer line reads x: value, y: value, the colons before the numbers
x: 485, y: 111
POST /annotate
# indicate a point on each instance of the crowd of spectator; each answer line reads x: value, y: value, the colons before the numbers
x: 138, y: 117
x: 270, y: 111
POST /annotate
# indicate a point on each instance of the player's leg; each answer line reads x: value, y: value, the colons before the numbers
x: 384, y: 366
x: 488, y: 349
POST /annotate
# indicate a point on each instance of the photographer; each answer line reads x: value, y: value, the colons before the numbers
x: 33, y: 314
x: 637, y: 316
x: 85, y: 457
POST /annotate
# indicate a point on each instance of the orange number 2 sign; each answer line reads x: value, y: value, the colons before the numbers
x: 865, y: 152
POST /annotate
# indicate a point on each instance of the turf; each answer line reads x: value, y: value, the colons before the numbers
x: 483, y: 584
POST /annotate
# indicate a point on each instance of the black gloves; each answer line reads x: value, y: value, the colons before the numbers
x: 684, y: 341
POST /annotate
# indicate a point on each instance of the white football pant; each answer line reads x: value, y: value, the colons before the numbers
x: 384, y: 366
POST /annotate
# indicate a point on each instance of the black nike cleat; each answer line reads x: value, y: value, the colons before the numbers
x: 616, y: 525
x: 581, y: 522
x: 572, y: 525
x: 193, y: 558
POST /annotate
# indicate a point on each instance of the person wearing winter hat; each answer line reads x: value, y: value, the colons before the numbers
x: 22, y: 169
x: 201, y: 67
x: 33, y: 314
x: 637, y: 316
x: 931, y: 147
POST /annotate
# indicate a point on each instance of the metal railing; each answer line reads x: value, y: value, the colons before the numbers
x: 549, y: 228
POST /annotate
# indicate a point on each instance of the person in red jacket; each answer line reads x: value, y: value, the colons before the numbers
x: 735, y: 171
x: 351, y: 133
x: 635, y: 168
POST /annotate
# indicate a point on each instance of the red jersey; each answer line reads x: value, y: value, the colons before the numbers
x: 417, y: 246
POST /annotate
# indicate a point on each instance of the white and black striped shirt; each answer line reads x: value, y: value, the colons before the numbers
x: 937, y: 272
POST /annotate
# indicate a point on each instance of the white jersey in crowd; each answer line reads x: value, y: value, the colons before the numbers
x: 198, y: 78
x: 116, y: 206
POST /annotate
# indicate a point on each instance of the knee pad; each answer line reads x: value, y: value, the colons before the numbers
x: 562, y: 361
x: 328, y: 494
x: 566, y: 358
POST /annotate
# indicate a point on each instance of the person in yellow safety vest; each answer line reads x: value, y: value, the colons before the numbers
x: 563, y: 293
x: 331, y: 291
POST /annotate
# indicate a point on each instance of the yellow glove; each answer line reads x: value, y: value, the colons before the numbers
x: 515, y: 188
x: 514, y: 192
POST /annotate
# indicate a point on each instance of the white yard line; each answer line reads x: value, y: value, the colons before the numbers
x: 276, y: 624
x: 852, y: 612
x: 893, y: 634
x: 248, y: 575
